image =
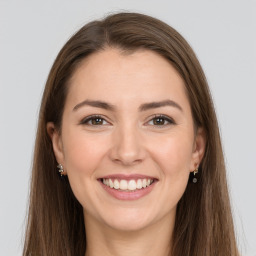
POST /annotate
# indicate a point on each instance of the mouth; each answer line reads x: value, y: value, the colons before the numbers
x: 128, y: 187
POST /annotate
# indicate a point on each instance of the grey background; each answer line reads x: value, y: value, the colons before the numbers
x: 223, y: 35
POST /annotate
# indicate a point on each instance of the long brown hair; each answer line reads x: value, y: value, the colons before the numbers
x: 203, y: 225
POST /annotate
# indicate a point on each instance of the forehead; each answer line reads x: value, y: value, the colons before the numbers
x: 111, y: 75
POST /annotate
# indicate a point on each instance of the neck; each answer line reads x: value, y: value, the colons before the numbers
x: 152, y: 240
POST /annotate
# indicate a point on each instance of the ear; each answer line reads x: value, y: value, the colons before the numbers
x: 57, y: 144
x: 198, y: 149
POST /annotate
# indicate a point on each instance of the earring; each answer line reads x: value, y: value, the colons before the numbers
x: 195, y: 172
x: 61, y: 171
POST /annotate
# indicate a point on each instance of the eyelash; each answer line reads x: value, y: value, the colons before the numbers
x: 93, y: 117
x: 165, y: 119
x: 90, y: 118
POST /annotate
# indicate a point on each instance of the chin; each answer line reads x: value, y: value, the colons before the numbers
x: 129, y: 220
x: 128, y: 226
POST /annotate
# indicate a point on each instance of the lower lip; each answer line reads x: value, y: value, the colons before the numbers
x: 124, y: 195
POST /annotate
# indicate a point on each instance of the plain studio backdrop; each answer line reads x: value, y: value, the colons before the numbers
x: 223, y: 35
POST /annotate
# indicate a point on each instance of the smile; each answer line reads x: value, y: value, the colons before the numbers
x: 127, y: 185
x: 130, y: 187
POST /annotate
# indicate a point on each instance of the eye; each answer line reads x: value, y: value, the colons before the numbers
x: 161, y: 120
x: 94, y: 120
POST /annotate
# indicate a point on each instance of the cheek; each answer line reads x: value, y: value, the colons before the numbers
x: 82, y: 155
x: 83, y: 152
x: 173, y: 154
x: 174, y: 157
x: 176, y: 167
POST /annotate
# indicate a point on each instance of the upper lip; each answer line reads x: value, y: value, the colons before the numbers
x: 128, y: 176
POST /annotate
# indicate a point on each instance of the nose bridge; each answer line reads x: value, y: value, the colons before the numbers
x: 127, y: 147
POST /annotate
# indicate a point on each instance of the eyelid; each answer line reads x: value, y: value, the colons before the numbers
x: 170, y: 120
x: 165, y: 117
x: 85, y: 120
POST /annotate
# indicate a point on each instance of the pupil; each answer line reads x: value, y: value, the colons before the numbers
x: 158, y: 121
x: 97, y: 121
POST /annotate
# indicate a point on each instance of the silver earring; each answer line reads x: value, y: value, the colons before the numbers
x: 61, y: 171
x: 195, y: 172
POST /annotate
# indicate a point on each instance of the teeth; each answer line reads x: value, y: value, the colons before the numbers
x: 123, y: 184
x: 144, y: 183
x: 139, y: 184
x: 130, y: 185
x: 116, y: 184
x: 111, y: 184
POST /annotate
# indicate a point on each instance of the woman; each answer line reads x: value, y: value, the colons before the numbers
x: 128, y: 119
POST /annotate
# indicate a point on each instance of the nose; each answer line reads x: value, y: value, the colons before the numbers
x: 127, y: 146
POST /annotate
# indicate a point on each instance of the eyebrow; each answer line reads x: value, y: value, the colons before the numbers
x: 96, y: 104
x: 158, y: 104
x: 143, y: 107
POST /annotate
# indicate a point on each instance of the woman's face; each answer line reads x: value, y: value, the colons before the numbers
x: 127, y: 123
